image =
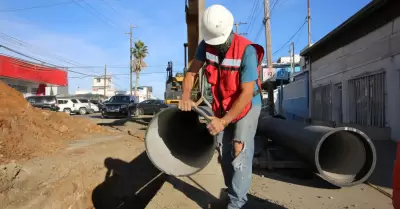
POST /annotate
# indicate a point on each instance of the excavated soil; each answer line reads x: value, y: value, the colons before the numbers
x: 26, y: 132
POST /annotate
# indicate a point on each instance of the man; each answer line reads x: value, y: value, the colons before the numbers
x: 232, y: 68
x: 169, y: 70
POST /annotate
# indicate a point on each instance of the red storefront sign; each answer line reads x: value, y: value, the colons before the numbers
x: 18, y: 69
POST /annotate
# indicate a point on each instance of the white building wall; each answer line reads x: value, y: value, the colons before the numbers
x: 57, y: 90
x: 142, y: 94
x: 375, y: 52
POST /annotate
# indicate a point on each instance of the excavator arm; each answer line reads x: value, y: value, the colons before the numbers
x: 193, y: 11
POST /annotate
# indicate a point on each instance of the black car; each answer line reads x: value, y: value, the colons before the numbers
x: 118, y: 106
x: 44, y: 102
x: 149, y: 107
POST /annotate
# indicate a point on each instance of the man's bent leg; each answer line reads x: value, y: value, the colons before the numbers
x: 243, y: 152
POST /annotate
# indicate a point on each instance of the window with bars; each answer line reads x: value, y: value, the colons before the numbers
x: 367, y: 100
x: 322, y: 103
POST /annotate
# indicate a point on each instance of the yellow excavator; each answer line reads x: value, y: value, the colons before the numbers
x: 173, y: 91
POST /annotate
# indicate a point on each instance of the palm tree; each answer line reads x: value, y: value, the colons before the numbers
x: 139, y: 52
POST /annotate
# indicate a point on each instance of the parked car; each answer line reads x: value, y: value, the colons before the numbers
x: 95, y: 104
x: 148, y: 107
x: 43, y: 102
x: 119, y: 105
x: 67, y: 106
x: 86, y: 106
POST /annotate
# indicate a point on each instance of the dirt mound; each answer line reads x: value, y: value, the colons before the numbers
x: 26, y: 131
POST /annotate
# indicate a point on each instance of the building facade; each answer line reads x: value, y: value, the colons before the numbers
x: 143, y: 93
x: 100, y: 83
x: 353, y: 73
x: 32, y: 78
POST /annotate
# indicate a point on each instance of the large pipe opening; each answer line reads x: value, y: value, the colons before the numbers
x: 178, y: 143
x: 345, y: 156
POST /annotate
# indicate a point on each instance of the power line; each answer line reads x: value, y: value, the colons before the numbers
x: 116, y: 66
x: 41, y: 61
x: 283, y: 46
x: 120, y: 74
x: 37, y: 7
x: 259, y: 32
x: 299, y: 36
x: 104, y: 20
x: 123, y: 16
x: 254, y: 15
x: 273, y: 6
x: 31, y: 47
x: 250, y: 17
x: 37, y: 50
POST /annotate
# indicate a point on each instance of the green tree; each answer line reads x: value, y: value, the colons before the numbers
x: 139, y: 52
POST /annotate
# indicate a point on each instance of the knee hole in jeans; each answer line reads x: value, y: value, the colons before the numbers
x: 237, y: 153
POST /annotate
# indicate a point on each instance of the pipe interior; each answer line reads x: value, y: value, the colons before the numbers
x: 178, y: 143
x: 345, y: 157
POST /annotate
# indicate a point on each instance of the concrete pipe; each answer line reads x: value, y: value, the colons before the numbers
x: 178, y: 143
x: 343, y: 156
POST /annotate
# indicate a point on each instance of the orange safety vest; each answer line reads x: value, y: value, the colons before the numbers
x: 224, y: 77
x: 396, y: 180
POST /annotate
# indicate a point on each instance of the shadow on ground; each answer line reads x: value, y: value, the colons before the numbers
x: 128, y: 184
x: 303, y: 177
x: 133, y: 184
x: 382, y: 175
x: 121, y: 122
x: 206, y: 200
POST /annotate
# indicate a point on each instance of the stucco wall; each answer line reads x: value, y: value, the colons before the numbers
x: 379, y: 51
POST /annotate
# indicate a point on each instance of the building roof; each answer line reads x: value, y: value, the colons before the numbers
x: 102, y: 76
x: 371, y: 17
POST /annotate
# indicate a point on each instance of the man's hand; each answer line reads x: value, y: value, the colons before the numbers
x: 186, y: 104
x: 216, y: 125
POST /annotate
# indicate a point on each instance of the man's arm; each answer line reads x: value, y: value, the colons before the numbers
x: 248, y: 77
x: 195, y: 66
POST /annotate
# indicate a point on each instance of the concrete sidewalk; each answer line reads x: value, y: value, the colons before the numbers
x: 196, y: 191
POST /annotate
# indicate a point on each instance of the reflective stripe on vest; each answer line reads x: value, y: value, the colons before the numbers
x: 225, y: 78
x: 225, y: 63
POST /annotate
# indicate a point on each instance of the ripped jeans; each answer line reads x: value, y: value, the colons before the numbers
x: 237, y: 171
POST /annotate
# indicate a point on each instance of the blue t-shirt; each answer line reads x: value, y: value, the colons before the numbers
x: 248, y: 66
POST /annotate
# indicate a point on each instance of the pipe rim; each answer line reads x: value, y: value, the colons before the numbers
x: 152, y: 161
x: 366, y: 138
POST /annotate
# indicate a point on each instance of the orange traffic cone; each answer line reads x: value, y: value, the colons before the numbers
x: 396, y: 180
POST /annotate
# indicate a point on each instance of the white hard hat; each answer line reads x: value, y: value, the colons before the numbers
x: 216, y: 24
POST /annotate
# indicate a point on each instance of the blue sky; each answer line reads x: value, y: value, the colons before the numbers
x: 92, y: 33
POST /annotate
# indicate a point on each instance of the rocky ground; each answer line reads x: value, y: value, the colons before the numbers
x: 112, y: 171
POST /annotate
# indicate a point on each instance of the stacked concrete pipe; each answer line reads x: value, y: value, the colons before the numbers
x: 178, y: 143
x: 343, y: 156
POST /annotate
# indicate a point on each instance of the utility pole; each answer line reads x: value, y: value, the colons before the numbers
x: 310, y: 99
x: 270, y: 85
x: 309, y: 22
x: 291, y: 54
x: 237, y: 27
x: 130, y: 59
x: 105, y: 79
